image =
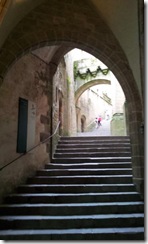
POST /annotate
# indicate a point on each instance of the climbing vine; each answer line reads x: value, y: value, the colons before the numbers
x: 68, y: 82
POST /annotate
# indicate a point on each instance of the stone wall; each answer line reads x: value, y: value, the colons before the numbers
x: 60, y: 105
x: 28, y: 79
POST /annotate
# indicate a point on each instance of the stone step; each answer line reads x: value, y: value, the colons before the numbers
x: 87, y: 193
x: 76, y: 149
x: 75, y: 188
x: 115, y: 234
x: 73, y: 197
x: 72, y: 208
x: 81, y: 179
x: 88, y: 165
x: 90, y: 159
x: 94, y: 143
x: 95, y: 138
x: 107, y: 144
x: 72, y: 221
x: 88, y: 171
x: 91, y: 154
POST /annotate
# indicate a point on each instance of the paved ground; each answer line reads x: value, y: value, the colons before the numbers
x: 103, y: 130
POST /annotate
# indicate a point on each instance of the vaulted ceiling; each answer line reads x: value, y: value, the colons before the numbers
x: 26, y: 25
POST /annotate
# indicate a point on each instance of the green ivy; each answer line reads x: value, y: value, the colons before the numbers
x: 68, y: 82
x: 75, y: 68
x: 89, y: 73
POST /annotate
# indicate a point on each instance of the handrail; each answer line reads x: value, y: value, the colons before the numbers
x: 90, y: 123
x: 31, y: 148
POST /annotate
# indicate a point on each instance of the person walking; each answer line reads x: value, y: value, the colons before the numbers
x: 99, y: 121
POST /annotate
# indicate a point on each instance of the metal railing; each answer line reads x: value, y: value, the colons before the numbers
x: 23, y: 154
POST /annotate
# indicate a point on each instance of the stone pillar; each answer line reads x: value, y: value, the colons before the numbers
x: 137, y: 147
x: 126, y: 118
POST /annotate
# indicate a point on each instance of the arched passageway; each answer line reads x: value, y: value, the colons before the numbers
x: 66, y: 32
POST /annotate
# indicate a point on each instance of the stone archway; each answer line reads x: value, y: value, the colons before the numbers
x: 76, y: 26
x: 89, y: 84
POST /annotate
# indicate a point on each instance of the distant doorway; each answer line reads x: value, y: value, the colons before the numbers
x: 83, y: 123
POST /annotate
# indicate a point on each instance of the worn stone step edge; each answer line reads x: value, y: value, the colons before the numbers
x: 78, y: 185
x: 72, y: 197
x: 72, y: 221
x: 90, y: 159
x: 94, y: 141
x: 93, y: 145
x: 84, y: 169
x: 89, y: 204
x: 52, y: 195
x: 72, y: 208
x: 87, y: 165
x: 92, y: 231
x: 94, y: 150
x: 67, y: 172
x: 81, y: 179
x: 73, y: 217
x: 68, y: 188
x: 74, y: 237
x: 92, y: 154
x: 81, y: 176
x: 104, y: 138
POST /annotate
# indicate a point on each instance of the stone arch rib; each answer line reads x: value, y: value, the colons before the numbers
x: 89, y: 84
x: 72, y: 25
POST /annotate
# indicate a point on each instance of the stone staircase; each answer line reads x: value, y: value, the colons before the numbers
x: 86, y: 193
